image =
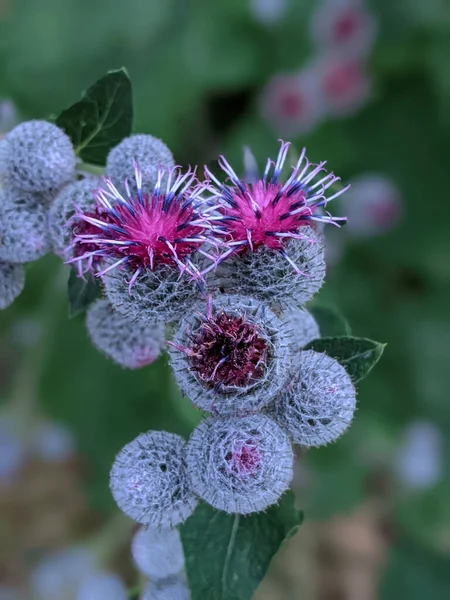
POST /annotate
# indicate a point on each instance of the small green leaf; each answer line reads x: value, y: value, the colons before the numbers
x: 331, y: 323
x: 81, y: 292
x: 227, y: 556
x: 357, y: 355
x: 101, y: 119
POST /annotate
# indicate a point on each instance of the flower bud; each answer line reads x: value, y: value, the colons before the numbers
x: 234, y: 359
x: 157, y: 553
x: 24, y: 234
x: 148, y: 152
x: 318, y: 405
x: 304, y: 327
x: 37, y: 157
x: 129, y: 343
x: 12, y: 282
x: 99, y: 586
x: 240, y: 465
x: 149, y: 480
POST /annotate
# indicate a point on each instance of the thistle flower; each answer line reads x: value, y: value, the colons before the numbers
x: 24, y: 233
x: 149, y: 480
x: 268, y: 215
x: 318, y: 405
x: 150, y: 153
x: 12, y: 282
x: 158, y: 554
x: 293, y: 103
x: 102, y: 585
x: 146, y: 242
x: 130, y: 344
x: 374, y: 205
x: 37, y: 157
x: 239, y: 465
x: 346, y: 85
x: 78, y: 195
x: 304, y: 327
x: 234, y: 359
x: 175, y: 589
x: 346, y: 27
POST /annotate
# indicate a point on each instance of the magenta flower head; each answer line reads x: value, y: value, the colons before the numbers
x: 235, y: 358
x: 266, y: 227
x: 146, y: 242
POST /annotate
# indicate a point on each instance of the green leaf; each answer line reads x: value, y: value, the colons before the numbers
x: 227, y: 556
x: 81, y: 292
x: 357, y: 355
x: 101, y: 119
x: 331, y: 322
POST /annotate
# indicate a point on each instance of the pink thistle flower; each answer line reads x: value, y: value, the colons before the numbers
x: 292, y: 102
x: 145, y: 231
x: 268, y: 213
x: 346, y: 85
x: 344, y: 26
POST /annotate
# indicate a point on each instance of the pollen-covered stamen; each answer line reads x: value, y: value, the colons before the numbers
x: 148, y: 229
x: 227, y: 350
x: 268, y: 212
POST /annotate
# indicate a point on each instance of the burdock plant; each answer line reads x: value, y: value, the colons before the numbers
x: 216, y: 269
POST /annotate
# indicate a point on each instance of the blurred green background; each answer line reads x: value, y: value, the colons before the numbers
x: 198, y: 69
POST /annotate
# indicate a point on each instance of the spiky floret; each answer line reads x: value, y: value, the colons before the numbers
x: 37, y: 156
x: 318, y: 405
x: 235, y: 358
x: 149, y: 480
x: 12, y: 282
x: 144, y: 231
x: 129, y: 343
x: 266, y: 274
x: 268, y: 213
x: 158, y: 553
x: 149, y: 152
x: 304, y: 326
x: 239, y: 465
x: 24, y: 232
x: 78, y: 195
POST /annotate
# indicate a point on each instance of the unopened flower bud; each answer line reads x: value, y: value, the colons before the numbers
x: 318, y: 405
x: 304, y: 327
x: 24, y: 232
x: 150, y: 153
x: 37, y: 157
x: 129, y: 343
x: 149, y: 480
x: 167, y: 590
x: 240, y: 465
x: 157, y: 553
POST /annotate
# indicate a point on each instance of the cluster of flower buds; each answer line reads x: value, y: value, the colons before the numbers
x: 36, y: 160
x: 254, y: 250
x: 334, y: 83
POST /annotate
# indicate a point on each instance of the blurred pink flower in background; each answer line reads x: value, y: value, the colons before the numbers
x: 345, y: 84
x: 346, y: 27
x: 372, y: 204
x: 268, y: 12
x: 292, y: 103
